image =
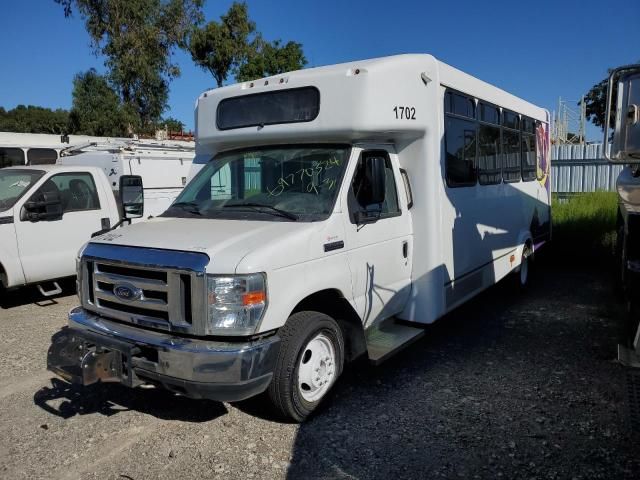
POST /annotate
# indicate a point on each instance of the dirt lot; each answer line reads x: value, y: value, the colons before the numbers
x: 506, y: 387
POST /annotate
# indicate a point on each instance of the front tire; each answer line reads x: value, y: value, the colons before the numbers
x: 309, y: 362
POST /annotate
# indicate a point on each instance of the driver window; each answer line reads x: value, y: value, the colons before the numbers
x: 362, y: 184
x: 77, y: 191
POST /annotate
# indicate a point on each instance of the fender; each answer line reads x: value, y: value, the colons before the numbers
x: 329, y: 273
x: 524, y: 237
x: 12, y: 268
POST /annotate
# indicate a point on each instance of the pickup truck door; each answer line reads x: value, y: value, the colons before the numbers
x: 379, y: 251
x: 48, y: 248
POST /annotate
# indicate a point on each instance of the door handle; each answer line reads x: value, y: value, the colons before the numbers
x: 405, y: 249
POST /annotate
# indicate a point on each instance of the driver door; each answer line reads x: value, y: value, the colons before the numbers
x: 48, y: 248
x: 379, y: 249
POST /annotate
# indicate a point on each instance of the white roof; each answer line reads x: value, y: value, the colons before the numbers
x: 53, y: 168
x: 356, y: 101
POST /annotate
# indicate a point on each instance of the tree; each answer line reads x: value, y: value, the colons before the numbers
x: 32, y: 119
x: 220, y: 48
x: 267, y: 59
x: 137, y: 38
x: 97, y: 109
x: 172, y: 124
x: 596, y: 103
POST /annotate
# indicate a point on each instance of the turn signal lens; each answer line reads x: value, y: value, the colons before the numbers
x: 252, y: 298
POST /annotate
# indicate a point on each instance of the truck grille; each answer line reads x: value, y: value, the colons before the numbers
x: 146, y: 295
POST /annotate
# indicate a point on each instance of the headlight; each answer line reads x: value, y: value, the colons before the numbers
x: 236, y: 303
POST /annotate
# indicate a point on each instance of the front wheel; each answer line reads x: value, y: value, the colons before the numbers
x: 309, y: 362
x: 521, y: 275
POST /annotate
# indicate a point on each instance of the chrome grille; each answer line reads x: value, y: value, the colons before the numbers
x: 166, y: 297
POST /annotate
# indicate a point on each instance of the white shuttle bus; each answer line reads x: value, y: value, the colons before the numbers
x: 339, y: 210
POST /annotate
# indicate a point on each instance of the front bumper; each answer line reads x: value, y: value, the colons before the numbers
x: 94, y: 349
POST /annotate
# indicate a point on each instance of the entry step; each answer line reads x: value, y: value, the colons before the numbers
x: 388, y: 338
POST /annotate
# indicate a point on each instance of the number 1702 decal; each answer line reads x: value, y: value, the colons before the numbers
x: 405, y: 113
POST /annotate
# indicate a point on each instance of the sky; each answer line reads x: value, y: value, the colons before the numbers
x: 539, y: 51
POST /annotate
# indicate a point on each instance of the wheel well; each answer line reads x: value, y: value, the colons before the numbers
x: 527, y: 248
x: 331, y: 302
x: 3, y: 277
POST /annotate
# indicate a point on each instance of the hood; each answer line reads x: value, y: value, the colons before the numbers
x: 226, y: 242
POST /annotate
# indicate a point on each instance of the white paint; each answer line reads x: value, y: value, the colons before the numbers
x: 453, y: 235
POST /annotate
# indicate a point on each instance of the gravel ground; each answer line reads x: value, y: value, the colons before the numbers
x: 508, y: 386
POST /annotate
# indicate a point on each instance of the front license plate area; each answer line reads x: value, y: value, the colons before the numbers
x: 88, y: 358
x: 102, y: 366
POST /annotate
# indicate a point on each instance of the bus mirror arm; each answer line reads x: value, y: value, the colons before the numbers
x: 107, y: 230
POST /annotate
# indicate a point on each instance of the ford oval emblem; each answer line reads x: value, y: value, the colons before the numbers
x: 126, y: 291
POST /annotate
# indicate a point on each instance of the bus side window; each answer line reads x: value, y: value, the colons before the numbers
x: 511, y: 171
x: 489, y: 164
x: 460, y: 138
x: 460, y: 147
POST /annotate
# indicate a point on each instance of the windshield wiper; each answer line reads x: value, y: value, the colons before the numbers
x: 275, y: 210
x: 191, y: 207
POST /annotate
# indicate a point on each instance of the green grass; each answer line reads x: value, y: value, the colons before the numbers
x: 585, y: 224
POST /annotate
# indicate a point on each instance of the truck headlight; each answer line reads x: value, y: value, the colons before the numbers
x: 235, y: 303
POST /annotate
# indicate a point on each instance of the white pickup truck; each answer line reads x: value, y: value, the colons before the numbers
x: 39, y: 249
x: 46, y: 214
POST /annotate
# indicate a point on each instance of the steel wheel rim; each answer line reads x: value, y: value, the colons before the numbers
x: 316, y: 368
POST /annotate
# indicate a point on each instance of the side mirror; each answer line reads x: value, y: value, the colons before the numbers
x: 47, y: 207
x: 376, y: 175
x: 131, y: 196
x: 625, y: 147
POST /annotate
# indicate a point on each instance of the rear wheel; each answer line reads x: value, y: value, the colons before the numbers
x: 309, y: 362
x: 523, y: 272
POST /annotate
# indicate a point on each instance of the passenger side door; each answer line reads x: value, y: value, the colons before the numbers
x: 379, y: 243
x: 48, y: 247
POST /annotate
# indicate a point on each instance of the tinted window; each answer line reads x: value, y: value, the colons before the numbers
x: 460, y: 147
x: 528, y: 157
x: 489, y: 114
x: 42, y: 156
x: 510, y: 119
x: 528, y: 125
x: 11, y: 157
x: 283, y: 106
x: 511, y: 155
x: 489, y: 155
x: 77, y: 191
x: 464, y: 106
x: 360, y: 187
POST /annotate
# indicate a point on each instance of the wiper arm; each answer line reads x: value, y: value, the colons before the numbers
x: 191, y: 207
x: 275, y: 210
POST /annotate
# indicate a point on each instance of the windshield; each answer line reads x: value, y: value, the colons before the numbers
x: 14, y: 183
x: 288, y: 183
